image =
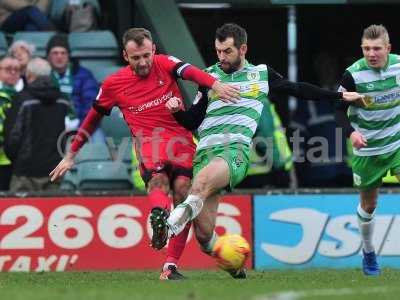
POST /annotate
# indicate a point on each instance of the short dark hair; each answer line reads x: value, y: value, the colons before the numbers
x: 58, y: 40
x: 232, y: 30
x: 138, y: 35
x: 374, y: 32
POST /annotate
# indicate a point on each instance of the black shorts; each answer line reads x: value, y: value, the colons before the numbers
x: 171, y: 170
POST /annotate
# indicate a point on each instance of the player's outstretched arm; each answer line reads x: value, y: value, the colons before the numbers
x: 89, y: 125
x: 352, y: 97
x: 307, y: 91
x: 65, y: 164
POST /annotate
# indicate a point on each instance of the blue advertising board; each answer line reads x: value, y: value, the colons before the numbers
x: 301, y: 231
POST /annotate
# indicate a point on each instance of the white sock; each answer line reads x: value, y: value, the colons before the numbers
x: 366, y: 224
x: 166, y: 265
x: 184, y: 213
x: 208, y: 247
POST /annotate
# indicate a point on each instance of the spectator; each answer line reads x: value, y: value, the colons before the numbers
x: 75, y: 15
x: 77, y: 84
x: 9, y: 75
x: 21, y: 15
x: 22, y: 51
x: 32, y: 128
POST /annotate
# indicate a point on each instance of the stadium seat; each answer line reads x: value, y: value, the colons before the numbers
x: 57, y: 8
x: 93, y: 44
x: 3, y: 44
x: 37, y: 38
x: 123, y: 152
x: 114, y: 126
x: 70, y: 180
x: 106, y: 175
x: 93, y: 152
x: 100, y: 68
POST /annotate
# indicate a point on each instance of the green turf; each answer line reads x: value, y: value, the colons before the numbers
x: 312, y: 284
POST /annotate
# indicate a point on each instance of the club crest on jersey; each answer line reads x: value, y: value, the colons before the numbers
x: 237, y: 161
x: 253, y: 75
x: 370, y: 86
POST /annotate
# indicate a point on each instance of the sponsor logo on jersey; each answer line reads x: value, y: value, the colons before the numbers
x: 387, y: 98
x: 150, y: 104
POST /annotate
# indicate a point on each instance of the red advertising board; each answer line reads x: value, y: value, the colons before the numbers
x: 98, y: 233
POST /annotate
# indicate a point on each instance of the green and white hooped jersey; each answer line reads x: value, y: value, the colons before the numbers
x: 379, y: 120
x: 227, y: 123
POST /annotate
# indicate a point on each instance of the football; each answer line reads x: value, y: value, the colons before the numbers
x: 231, y: 251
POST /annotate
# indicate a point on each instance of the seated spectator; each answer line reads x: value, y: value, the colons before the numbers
x: 33, y: 125
x: 22, y: 51
x: 21, y: 15
x: 75, y: 15
x: 76, y: 83
x: 9, y: 76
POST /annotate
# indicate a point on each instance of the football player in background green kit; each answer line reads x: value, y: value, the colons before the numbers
x: 373, y: 126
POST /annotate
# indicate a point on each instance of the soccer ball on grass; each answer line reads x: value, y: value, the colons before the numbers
x: 231, y: 252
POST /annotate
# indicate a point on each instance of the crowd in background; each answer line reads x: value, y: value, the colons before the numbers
x: 40, y: 98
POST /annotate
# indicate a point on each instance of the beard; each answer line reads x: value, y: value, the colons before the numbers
x: 230, y: 67
x: 142, y: 71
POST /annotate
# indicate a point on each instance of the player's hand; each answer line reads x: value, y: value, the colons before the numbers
x: 226, y: 93
x: 174, y: 104
x: 352, y: 96
x: 358, y: 140
x: 66, y: 164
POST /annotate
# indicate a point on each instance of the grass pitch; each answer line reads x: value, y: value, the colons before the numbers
x: 207, y: 285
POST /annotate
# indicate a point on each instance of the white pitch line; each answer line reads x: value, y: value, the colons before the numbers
x: 295, y: 295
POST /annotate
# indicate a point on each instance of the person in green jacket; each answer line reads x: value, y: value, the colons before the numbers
x: 9, y: 76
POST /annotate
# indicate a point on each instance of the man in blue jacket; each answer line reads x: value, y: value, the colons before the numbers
x: 76, y: 83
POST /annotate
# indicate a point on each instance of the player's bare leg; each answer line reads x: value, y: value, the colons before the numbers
x: 365, y: 213
x: 204, y: 225
x: 204, y: 228
x: 176, y: 245
x: 209, y: 181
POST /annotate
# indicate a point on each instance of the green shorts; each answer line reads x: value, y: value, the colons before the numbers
x: 368, y: 171
x: 236, y: 155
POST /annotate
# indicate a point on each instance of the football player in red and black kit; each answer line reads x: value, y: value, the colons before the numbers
x: 165, y: 149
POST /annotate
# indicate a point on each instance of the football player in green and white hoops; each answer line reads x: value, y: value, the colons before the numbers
x: 373, y: 126
x: 226, y: 129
